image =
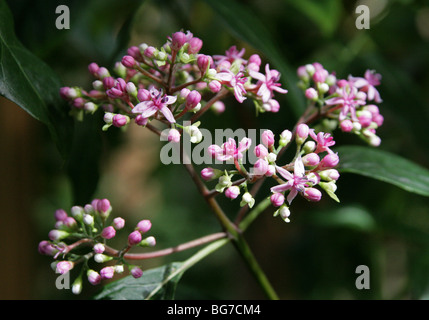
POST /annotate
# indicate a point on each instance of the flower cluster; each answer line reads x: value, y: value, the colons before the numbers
x: 88, y: 228
x: 168, y: 82
x: 313, y: 165
x: 349, y: 103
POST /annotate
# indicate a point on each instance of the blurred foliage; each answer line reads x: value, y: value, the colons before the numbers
x: 316, y: 255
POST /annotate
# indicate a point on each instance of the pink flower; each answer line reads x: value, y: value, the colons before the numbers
x: 231, y: 55
x: 324, y: 141
x: 297, y: 182
x: 157, y: 102
x: 312, y: 194
x: 235, y: 81
x: 267, y: 83
x: 367, y: 84
x: 94, y: 277
x: 267, y: 138
x: 348, y: 99
x: 229, y: 149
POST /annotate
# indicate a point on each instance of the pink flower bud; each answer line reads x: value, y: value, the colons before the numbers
x: 108, y: 83
x: 149, y: 52
x: 342, y: 83
x: 312, y: 194
x: 119, y: 120
x: 46, y: 248
x: 255, y: 58
x: 144, y: 226
x: 277, y: 199
x: 178, y: 39
x: 218, y: 107
x: 320, y: 75
x: 107, y: 272
x: 140, y: 120
x: 56, y: 235
x: 64, y: 267
x: 60, y: 215
x: 210, y: 174
x: 69, y: 222
x: 195, y: 45
x: 302, y: 73
x: 128, y: 62
x: 260, y: 167
x: 329, y: 161
x: 108, y: 232
x: 118, y: 223
x: 302, y: 132
x: 232, y: 192
x: 103, y: 206
x: 136, y: 272
x: 93, y: 68
x: 134, y: 238
x: 271, y: 170
x: 215, y: 86
x: 203, y: 62
x: 260, y: 151
x: 267, y: 138
x: 192, y: 100
x: 184, y: 92
x: 94, y: 277
x: 311, y: 159
x: 173, y: 135
x: 378, y: 119
x: 79, y: 102
x: 135, y: 53
x: 346, y: 125
x: 311, y: 94
x: 99, y: 248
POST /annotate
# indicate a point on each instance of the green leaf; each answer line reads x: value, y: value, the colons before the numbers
x: 247, y: 26
x: 351, y: 217
x: 325, y: 14
x: 384, y: 166
x: 158, y: 283
x: 31, y: 84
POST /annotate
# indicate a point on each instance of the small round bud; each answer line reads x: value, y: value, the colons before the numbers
x: 128, y: 61
x: 144, y: 226
x: 218, y: 107
x: 195, y: 45
x: 118, y: 223
x: 232, y: 192
x: 215, y: 86
x: 46, y: 248
x: 192, y: 99
x: 329, y: 161
x: 267, y: 138
x: 260, y: 151
x: 136, y: 272
x: 94, y: 277
x: 277, y: 199
x: 56, y: 235
x: 64, y: 267
x: 107, y: 272
x: 99, y: 248
x: 88, y: 219
x: 312, y: 194
x: 301, y: 133
x: 329, y: 175
x: 209, y: 173
x: 141, y: 121
x: 148, y: 242
x: 311, y: 159
x: 134, y: 238
x: 203, y: 63
x: 108, y: 232
x: 101, y: 258
x: 260, y: 168
x: 173, y: 135
x: 284, y: 213
x: 178, y: 39
x: 311, y: 94
x: 285, y: 137
x: 309, y: 146
x: 120, y: 120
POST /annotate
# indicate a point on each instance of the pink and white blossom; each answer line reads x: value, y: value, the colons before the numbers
x: 158, y: 103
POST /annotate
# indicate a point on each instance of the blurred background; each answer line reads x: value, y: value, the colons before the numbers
x: 313, y: 257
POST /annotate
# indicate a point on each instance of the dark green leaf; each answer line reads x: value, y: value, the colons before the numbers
x: 248, y: 27
x: 158, y: 283
x: 30, y: 83
x: 384, y: 166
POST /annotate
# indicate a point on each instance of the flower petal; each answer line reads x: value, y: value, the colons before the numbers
x: 284, y: 173
x: 167, y: 114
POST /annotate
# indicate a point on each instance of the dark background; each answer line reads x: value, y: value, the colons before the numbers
x: 316, y: 255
